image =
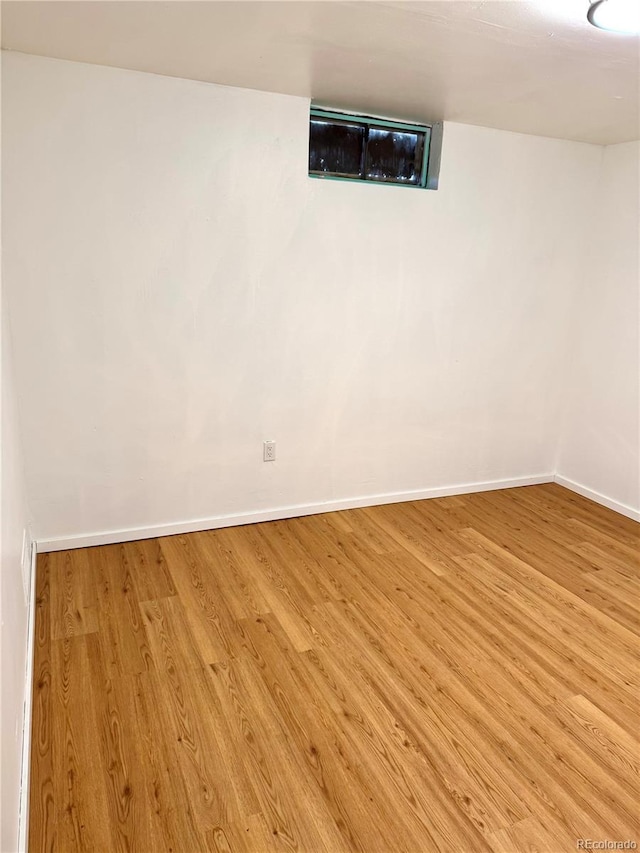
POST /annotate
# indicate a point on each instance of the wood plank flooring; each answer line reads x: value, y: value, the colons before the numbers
x: 455, y: 676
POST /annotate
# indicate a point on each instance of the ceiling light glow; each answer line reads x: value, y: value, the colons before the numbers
x: 619, y: 16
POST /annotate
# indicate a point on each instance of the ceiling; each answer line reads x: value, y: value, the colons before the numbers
x: 533, y: 66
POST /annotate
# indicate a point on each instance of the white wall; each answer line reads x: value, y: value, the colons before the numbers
x: 600, y: 445
x: 13, y: 609
x: 183, y: 291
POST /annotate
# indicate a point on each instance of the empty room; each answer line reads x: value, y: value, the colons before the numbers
x: 320, y: 496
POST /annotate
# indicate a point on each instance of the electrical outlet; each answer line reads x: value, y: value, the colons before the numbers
x: 269, y: 451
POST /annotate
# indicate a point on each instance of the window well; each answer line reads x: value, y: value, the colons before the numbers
x: 364, y: 148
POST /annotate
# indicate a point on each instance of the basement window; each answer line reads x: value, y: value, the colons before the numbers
x: 364, y: 148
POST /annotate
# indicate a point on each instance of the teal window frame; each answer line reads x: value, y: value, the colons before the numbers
x: 429, y: 174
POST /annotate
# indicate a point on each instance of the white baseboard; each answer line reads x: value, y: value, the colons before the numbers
x: 25, y: 770
x: 110, y: 537
x: 616, y: 506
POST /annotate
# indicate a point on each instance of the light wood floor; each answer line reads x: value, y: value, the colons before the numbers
x: 454, y: 675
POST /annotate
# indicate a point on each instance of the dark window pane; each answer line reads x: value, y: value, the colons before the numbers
x: 336, y: 147
x: 395, y: 155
